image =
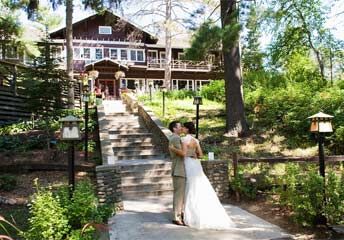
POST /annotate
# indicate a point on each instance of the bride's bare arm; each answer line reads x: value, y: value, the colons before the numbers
x: 199, y: 151
x: 177, y: 151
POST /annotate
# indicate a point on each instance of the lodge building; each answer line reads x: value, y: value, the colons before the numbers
x: 101, y: 43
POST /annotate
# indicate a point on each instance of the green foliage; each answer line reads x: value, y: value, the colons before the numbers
x: 252, y: 57
x: 53, y: 215
x: 334, y: 208
x: 21, y: 143
x: 48, y: 220
x: 202, y: 44
x: 180, y: 94
x: 214, y: 91
x: 303, y: 191
x: 8, y: 182
x: 245, y: 186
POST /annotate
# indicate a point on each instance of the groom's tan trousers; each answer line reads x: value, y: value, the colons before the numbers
x: 178, y: 196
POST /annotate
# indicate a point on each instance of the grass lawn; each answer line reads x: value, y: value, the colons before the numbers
x: 260, y: 143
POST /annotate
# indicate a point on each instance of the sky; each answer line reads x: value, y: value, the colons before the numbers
x: 335, y: 22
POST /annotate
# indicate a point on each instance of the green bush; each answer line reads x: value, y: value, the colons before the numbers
x: 302, y: 190
x: 53, y: 215
x: 48, y: 220
x: 8, y: 182
x: 214, y: 91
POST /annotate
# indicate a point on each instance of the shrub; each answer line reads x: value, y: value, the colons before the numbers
x: 48, y: 220
x: 8, y: 182
x: 214, y: 91
x: 304, y: 193
x: 53, y: 215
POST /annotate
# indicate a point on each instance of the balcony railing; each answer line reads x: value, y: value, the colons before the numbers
x: 180, y: 64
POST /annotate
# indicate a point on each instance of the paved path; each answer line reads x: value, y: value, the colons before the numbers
x: 150, y: 219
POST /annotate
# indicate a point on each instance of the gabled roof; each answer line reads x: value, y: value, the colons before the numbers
x: 56, y: 31
x: 107, y: 60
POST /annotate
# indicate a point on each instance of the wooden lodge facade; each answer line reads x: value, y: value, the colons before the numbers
x: 108, y: 44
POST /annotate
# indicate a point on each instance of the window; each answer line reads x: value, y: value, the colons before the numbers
x: 76, y: 53
x: 133, y: 55
x: 105, y: 30
x: 124, y: 54
x: 140, y: 57
x: 87, y: 53
x: 162, y: 56
x: 113, y: 53
x: 152, y: 55
x: 12, y: 53
x: 181, y: 55
x: 99, y: 53
x: 211, y: 58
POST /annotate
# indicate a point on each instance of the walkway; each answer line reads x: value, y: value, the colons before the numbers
x: 150, y: 219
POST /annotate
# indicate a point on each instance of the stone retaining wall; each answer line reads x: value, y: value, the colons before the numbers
x: 109, y: 186
x: 217, y: 173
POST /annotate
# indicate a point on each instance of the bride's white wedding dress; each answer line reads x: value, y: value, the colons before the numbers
x: 202, y: 208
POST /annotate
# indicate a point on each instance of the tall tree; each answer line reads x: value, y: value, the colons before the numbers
x: 236, y: 124
x: 299, y: 24
x: 252, y: 57
x: 32, y: 8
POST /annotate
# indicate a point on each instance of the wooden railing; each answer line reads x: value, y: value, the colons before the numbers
x: 180, y: 64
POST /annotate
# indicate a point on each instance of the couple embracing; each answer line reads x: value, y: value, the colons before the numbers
x: 195, y: 203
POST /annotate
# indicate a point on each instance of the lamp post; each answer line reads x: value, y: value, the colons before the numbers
x: 150, y: 91
x: 164, y: 90
x: 321, y: 124
x: 86, y: 99
x: 70, y: 131
x: 197, y: 101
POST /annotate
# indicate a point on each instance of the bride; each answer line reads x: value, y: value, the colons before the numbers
x: 202, y: 208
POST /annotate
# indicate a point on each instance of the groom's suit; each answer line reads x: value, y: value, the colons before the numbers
x: 179, y: 177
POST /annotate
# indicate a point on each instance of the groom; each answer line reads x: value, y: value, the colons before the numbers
x: 178, y: 172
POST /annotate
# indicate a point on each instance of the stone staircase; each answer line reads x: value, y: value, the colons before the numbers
x: 145, y: 169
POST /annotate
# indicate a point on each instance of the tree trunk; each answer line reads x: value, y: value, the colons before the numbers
x: 69, y: 47
x: 168, y: 41
x: 236, y: 124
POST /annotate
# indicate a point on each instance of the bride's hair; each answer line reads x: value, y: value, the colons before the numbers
x: 190, y: 126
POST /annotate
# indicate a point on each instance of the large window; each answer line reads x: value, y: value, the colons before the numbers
x: 87, y: 53
x: 12, y: 53
x: 105, y: 30
x: 152, y: 55
x: 140, y: 56
x: 133, y: 55
x: 124, y: 54
x: 99, y: 53
x: 77, y: 53
x: 113, y: 53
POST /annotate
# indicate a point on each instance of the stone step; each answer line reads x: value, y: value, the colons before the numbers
x: 137, y: 152
x: 147, y: 173
x: 120, y: 114
x: 144, y: 165
x: 130, y: 136
x: 148, y: 186
x: 131, y: 144
x: 127, y: 131
x: 136, y: 147
x: 131, y: 140
x: 140, y: 194
x: 146, y: 180
x: 141, y: 156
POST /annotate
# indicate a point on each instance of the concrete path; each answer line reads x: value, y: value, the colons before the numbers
x: 150, y: 219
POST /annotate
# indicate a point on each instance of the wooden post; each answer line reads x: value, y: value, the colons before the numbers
x: 14, y: 80
x: 235, y: 172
